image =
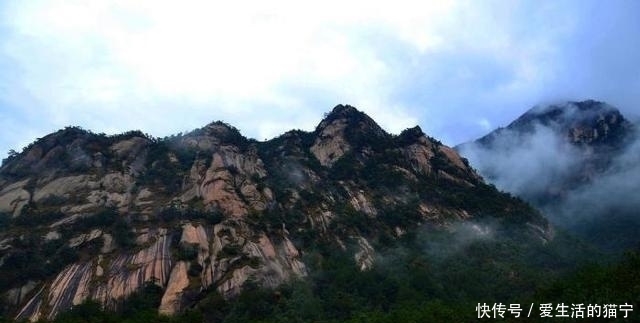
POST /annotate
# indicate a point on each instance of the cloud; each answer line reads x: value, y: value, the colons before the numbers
x: 529, y: 164
x: 613, y: 191
x: 266, y: 67
x: 590, y: 191
x: 460, y: 235
x: 145, y: 61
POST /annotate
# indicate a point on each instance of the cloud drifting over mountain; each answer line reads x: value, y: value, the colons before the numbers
x: 527, y: 165
x: 454, y: 68
x: 589, y: 189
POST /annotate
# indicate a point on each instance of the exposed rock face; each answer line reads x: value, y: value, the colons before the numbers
x: 331, y: 145
x: 334, y: 132
x: 258, y: 258
x: 110, y: 282
x: 81, y: 281
x: 94, y: 234
x: 195, y: 235
x: 14, y: 197
x: 62, y: 188
x: 361, y: 203
x: 420, y: 154
x: 365, y: 256
x: 453, y: 157
x: 211, y: 210
x: 228, y: 181
x: 178, y: 282
x: 127, y: 273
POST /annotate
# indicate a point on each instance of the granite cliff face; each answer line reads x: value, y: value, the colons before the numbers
x: 92, y: 217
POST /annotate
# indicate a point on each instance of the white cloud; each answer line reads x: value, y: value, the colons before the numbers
x: 202, y: 49
x: 102, y: 59
x: 266, y: 67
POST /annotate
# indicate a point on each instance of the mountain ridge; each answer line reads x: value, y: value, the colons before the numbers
x: 213, y: 210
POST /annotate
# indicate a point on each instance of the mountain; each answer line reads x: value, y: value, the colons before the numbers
x: 89, y: 217
x: 576, y: 161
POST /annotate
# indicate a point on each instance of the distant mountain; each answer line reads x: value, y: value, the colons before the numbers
x: 579, y: 162
x: 94, y: 217
x: 587, y: 124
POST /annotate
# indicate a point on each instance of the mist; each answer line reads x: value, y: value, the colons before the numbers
x: 541, y: 166
x: 458, y: 236
x: 525, y: 165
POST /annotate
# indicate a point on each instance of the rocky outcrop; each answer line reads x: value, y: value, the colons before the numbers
x: 235, y: 258
x: 343, y: 130
x: 63, y: 188
x: 453, y: 157
x: 331, y: 143
x: 229, y: 182
x: 420, y: 154
x: 14, y: 197
x: 76, y: 241
x: 171, y: 300
x: 364, y: 257
x: 129, y: 147
x: 195, y: 235
x: 361, y: 203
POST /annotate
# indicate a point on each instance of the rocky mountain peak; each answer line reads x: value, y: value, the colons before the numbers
x: 346, y: 116
x: 411, y: 134
x: 344, y: 109
x: 342, y: 130
x: 587, y: 123
x: 584, y: 106
x: 209, y: 137
x: 220, y: 129
x: 72, y: 150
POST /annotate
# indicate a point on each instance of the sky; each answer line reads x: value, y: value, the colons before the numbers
x: 458, y: 69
